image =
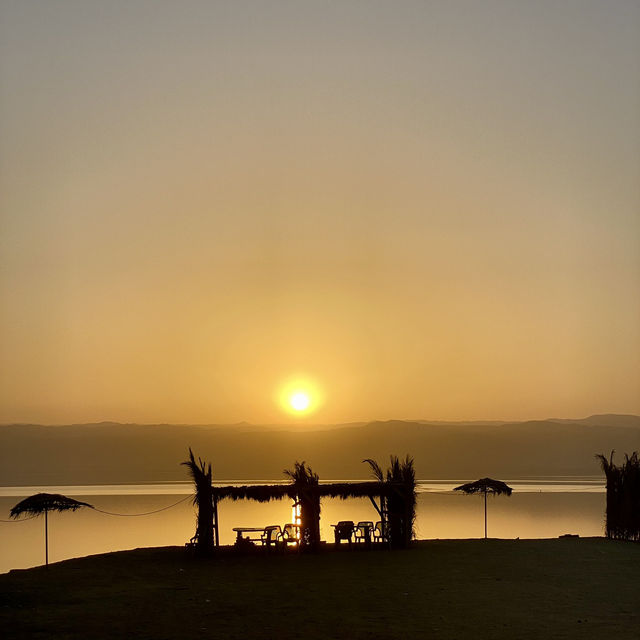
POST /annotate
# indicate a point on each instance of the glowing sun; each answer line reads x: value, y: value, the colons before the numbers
x: 300, y: 396
x: 300, y: 401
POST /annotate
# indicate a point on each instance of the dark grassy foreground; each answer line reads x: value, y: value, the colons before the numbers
x: 551, y: 589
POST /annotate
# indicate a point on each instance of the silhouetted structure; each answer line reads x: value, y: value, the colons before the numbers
x: 623, y: 497
x: 397, y: 507
x: 206, y: 502
x: 343, y: 531
x: 485, y: 486
x: 43, y: 503
x: 396, y: 494
x: 308, y: 498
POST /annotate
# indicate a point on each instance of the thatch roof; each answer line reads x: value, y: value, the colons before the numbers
x: 41, y: 502
x: 486, y: 485
x: 258, y: 492
x: 346, y: 490
x: 342, y: 490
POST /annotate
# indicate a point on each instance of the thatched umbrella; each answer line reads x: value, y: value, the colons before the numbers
x: 43, y: 503
x: 486, y: 485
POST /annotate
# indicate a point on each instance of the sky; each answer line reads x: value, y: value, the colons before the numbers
x: 411, y: 210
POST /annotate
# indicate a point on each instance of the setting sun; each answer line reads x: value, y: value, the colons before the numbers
x: 300, y: 396
x: 300, y: 401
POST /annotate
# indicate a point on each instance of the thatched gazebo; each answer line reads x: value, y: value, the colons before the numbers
x: 395, y: 496
x: 308, y: 496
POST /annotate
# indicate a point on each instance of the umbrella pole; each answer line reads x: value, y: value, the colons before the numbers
x: 216, y: 529
x: 46, y: 536
x: 485, y: 514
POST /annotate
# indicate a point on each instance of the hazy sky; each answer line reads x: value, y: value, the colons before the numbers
x: 429, y: 209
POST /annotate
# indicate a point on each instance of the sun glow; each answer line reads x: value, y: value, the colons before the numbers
x: 300, y: 397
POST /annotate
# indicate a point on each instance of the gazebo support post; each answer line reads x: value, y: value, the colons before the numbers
x: 309, y: 519
x: 384, y: 522
x: 46, y: 537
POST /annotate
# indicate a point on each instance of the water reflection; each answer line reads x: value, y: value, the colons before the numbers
x: 538, y: 508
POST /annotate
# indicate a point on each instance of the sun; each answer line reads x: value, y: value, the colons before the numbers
x: 300, y: 401
x: 300, y: 396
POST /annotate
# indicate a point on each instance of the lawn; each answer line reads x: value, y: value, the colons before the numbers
x: 448, y: 589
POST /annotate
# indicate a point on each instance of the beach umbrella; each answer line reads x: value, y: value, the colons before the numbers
x: 485, y: 486
x: 43, y: 503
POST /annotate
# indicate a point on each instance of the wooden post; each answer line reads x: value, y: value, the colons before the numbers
x: 215, y: 521
x: 485, y: 513
x: 46, y: 536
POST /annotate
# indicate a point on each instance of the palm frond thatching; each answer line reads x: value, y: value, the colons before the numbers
x: 41, y: 502
x: 306, y: 482
x: 401, y: 504
x: 376, y: 469
x: 396, y: 493
x: 623, y: 496
x: 341, y: 490
x: 308, y: 491
x: 486, y: 485
x: 259, y: 492
x: 346, y: 490
x: 201, y: 474
x: 301, y: 474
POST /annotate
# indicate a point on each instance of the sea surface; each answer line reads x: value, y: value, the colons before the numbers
x: 538, y: 508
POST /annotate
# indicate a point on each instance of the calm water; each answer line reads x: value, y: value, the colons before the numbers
x: 538, y: 508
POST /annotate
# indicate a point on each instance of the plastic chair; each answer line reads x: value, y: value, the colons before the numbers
x: 363, y: 531
x: 271, y: 535
x: 343, y: 531
x: 291, y: 534
x: 379, y: 532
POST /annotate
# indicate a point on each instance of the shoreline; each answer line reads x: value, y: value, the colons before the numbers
x: 445, y: 589
x: 230, y: 550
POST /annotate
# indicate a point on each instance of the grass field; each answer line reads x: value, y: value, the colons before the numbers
x: 494, y: 589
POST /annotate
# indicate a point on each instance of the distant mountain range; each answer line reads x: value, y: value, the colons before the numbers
x: 130, y: 453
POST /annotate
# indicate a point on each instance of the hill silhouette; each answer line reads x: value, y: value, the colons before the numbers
x: 132, y: 453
